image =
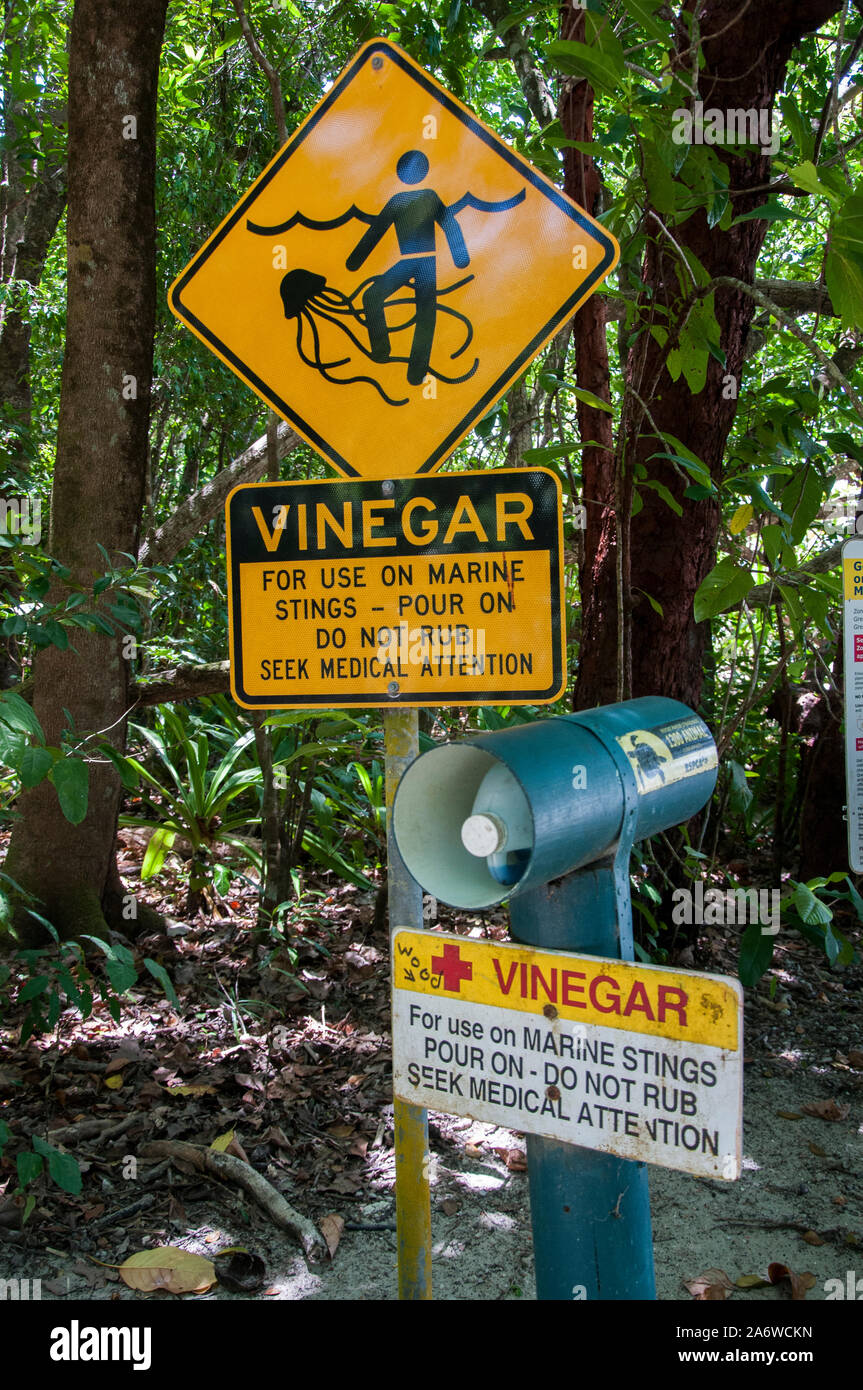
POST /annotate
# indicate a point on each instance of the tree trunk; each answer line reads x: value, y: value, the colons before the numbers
x: 745, y: 53
x: 598, y: 679
x: 100, y: 471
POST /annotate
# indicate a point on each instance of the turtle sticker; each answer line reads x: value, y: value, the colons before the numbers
x: 669, y: 752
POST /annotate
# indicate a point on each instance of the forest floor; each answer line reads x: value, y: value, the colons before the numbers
x: 292, y: 1058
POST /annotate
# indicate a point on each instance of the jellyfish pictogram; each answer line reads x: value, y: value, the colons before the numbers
x: 377, y: 307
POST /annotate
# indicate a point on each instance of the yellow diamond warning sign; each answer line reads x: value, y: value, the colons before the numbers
x: 414, y: 591
x: 391, y: 272
x: 611, y: 1055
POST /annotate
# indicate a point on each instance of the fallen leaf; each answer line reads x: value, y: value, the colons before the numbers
x: 450, y: 1205
x: 341, y: 1131
x: 789, y: 1114
x: 709, y: 1287
x: 855, y: 1057
x: 113, y: 1082
x: 192, y: 1090
x: 331, y: 1230
x: 812, y: 1238
x: 223, y: 1141
x: 800, y: 1283
x: 473, y: 1152
x: 117, y: 1064
x: 169, y: 1268
x: 516, y: 1161
x: 840, y: 1201
x: 751, y: 1281
x: 359, y: 1147
x: 826, y: 1110
x: 817, y: 1150
x: 343, y: 1183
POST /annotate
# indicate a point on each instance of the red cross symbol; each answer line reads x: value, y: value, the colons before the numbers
x: 451, y: 967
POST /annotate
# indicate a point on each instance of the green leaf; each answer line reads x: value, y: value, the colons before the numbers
x: 756, y: 953
x: 62, y: 1167
x: 160, y: 973
x: 160, y: 843
x: 18, y: 715
x: 725, y: 586
x: 29, y: 1166
x: 741, y: 519
x: 590, y: 399
x: 810, y: 908
x: 121, y: 975
x: 604, y: 69
x: 664, y: 493
x: 35, y: 765
x: 805, y: 176
x: 33, y: 988
x: 740, y: 793
x: 844, y: 267
x: 71, y: 778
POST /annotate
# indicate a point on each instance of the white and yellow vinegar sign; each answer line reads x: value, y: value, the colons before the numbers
x: 611, y: 1055
x: 852, y: 613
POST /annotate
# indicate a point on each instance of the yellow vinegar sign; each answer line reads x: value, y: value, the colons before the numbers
x: 391, y: 272
x: 413, y: 591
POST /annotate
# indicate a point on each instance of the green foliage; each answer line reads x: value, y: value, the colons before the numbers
x: 193, y: 798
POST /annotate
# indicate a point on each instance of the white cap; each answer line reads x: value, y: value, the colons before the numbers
x: 483, y: 834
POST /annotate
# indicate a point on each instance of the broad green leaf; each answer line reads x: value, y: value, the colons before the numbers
x: 588, y: 398
x: 844, y: 267
x: 35, y: 764
x: 810, y: 908
x: 756, y: 953
x: 604, y: 70
x: 62, y: 1167
x: 16, y: 712
x: 805, y: 176
x: 160, y: 843
x: 724, y: 587
x: 71, y: 778
x: 29, y: 1166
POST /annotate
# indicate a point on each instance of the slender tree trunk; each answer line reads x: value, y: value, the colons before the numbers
x: 597, y: 682
x: 100, y: 472
x: 745, y: 50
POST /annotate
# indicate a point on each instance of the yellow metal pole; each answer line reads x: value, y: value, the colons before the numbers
x: 413, y: 1203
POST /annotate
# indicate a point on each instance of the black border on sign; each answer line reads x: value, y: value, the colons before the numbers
x: 460, y: 697
x: 497, y: 146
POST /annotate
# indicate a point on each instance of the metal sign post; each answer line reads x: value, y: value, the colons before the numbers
x: 410, y: 1122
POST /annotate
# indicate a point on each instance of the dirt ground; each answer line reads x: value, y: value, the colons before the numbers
x: 300, y: 1076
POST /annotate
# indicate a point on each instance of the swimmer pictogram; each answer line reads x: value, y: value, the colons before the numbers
x: 414, y: 216
x: 395, y: 264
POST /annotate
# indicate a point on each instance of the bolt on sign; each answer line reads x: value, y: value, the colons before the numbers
x: 391, y: 272
x: 413, y: 591
x: 624, y: 1058
x: 852, y: 612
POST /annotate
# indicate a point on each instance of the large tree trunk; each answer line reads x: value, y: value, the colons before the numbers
x: 745, y: 50
x: 101, y: 462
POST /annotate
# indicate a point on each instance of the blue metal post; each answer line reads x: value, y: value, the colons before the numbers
x: 590, y: 1211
